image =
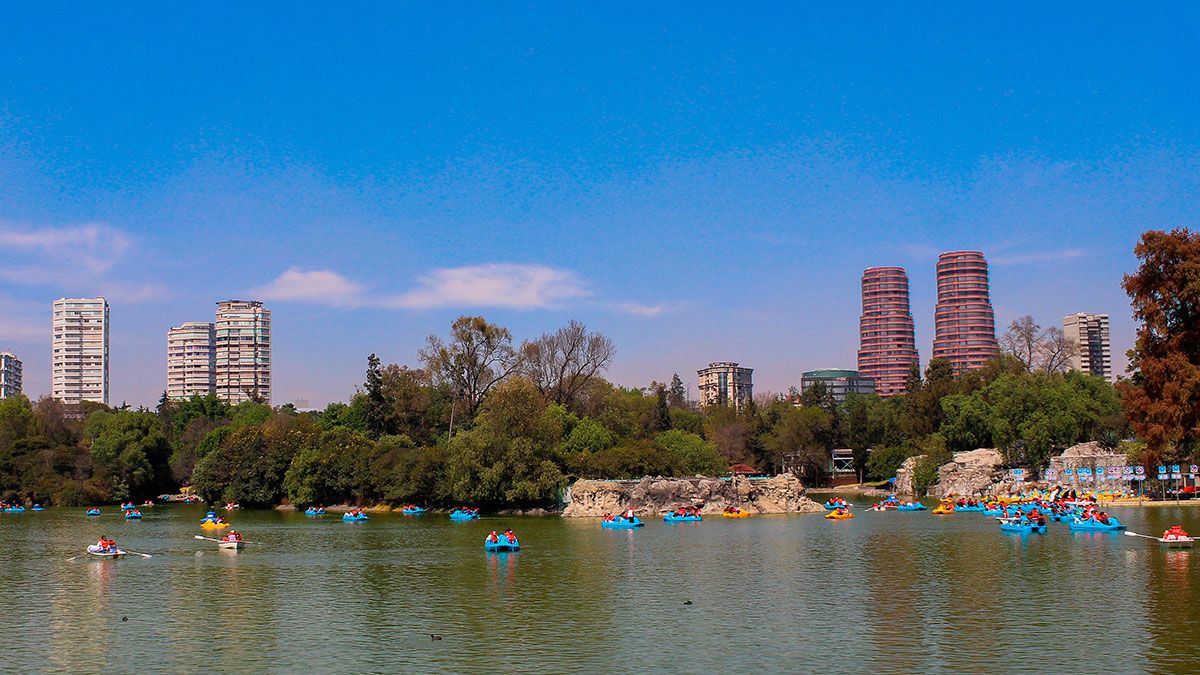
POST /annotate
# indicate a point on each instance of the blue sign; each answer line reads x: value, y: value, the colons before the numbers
x: 1069, y: 471
x: 1099, y: 471
x: 1174, y: 468
x: 1162, y: 469
x: 1083, y: 471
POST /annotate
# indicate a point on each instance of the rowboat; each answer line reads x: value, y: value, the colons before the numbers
x: 231, y: 545
x: 105, y: 554
x: 1180, y: 542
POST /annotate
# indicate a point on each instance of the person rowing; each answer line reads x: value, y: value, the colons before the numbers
x: 233, y: 535
x: 1175, y: 533
x: 105, y: 545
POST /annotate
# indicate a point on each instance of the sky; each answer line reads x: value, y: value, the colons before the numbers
x: 700, y: 182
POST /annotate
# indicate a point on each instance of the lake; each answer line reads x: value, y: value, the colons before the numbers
x: 898, y: 592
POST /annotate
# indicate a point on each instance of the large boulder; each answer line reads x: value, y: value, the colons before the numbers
x: 654, y: 496
x: 904, y: 475
x: 972, y: 473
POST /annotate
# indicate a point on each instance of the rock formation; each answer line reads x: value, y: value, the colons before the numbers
x: 656, y: 496
x: 904, y: 475
x: 972, y: 473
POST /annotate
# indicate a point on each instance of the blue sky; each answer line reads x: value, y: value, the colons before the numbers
x: 698, y: 182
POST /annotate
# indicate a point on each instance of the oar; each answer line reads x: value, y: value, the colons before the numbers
x: 220, y: 541
x: 1127, y: 533
x: 144, y: 555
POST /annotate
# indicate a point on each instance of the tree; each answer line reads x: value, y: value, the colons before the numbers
x: 561, y: 363
x: 692, y: 454
x: 802, y: 433
x: 1160, y: 399
x: 1046, y: 350
x: 477, y: 356
x: 377, y: 409
x: 132, y: 447
x: 676, y: 394
x: 661, y: 418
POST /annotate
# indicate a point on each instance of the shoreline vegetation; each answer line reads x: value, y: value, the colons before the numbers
x: 486, y: 422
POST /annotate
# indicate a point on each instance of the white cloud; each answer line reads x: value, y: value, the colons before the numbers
x: 493, y: 285
x: 1039, y: 256
x: 640, y: 309
x: 319, y: 286
x: 94, y: 246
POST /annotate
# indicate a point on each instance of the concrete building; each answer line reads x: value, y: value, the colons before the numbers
x: 10, y: 375
x: 243, y: 351
x: 839, y: 383
x: 1092, y: 350
x: 887, y: 347
x: 79, y: 357
x: 191, y: 360
x: 724, y: 383
x: 965, y: 324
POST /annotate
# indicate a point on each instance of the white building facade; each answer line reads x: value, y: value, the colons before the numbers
x: 1092, y: 350
x: 79, y: 357
x: 10, y: 375
x: 726, y: 383
x: 191, y: 360
x: 242, y: 342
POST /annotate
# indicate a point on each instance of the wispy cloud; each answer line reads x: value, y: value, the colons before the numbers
x: 1039, y: 257
x: 318, y: 286
x: 505, y: 285
x: 639, y: 309
x: 82, y: 258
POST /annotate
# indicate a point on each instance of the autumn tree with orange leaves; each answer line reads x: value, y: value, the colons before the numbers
x: 1162, y: 399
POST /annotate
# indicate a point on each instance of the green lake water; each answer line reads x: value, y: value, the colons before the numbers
x: 891, y: 592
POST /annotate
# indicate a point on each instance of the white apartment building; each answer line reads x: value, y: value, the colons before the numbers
x: 191, y: 360
x: 243, y: 351
x: 10, y: 375
x: 1089, y: 335
x: 79, y: 357
x: 724, y: 383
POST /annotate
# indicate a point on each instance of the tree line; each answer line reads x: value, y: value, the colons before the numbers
x: 487, y: 422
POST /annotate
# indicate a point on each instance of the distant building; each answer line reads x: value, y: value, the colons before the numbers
x: 191, y: 360
x: 887, y: 347
x: 243, y: 351
x: 1092, y: 350
x: 839, y: 383
x: 79, y: 357
x: 10, y: 375
x: 724, y: 383
x: 965, y: 324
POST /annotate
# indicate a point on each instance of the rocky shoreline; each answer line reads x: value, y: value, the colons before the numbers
x: 657, y: 496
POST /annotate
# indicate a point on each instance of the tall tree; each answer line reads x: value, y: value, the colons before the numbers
x: 677, y: 395
x: 476, y: 357
x: 660, y: 419
x: 562, y: 362
x: 377, y: 408
x: 1161, y: 398
x: 1047, y: 350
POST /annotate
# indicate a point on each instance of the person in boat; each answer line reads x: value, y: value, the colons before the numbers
x: 629, y: 514
x: 1175, y: 533
x: 106, y: 545
x: 1102, y: 518
x: 493, y: 538
x: 840, y: 511
x: 512, y: 538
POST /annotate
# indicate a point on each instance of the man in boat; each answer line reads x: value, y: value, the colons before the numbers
x: 629, y: 513
x: 493, y: 538
x: 106, y: 545
x: 233, y: 535
x: 1175, y: 533
x: 512, y: 538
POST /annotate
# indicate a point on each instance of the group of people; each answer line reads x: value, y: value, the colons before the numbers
x: 684, y: 513
x: 467, y: 509
x: 969, y: 503
x: 508, y: 535
x: 356, y: 513
x: 1175, y: 533
x: 104, y: 545
x: 628, y: 514
x: 232, y: 535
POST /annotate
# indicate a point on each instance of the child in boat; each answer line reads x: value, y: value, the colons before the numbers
x: 1175, y: 533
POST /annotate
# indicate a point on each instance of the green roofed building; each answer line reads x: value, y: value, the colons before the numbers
x: 839, y: 383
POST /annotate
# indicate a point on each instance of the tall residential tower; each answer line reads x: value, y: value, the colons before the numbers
x: 243, y: 351
x: 191, y: 360
x: 10, y: 375
x: 724, y: 383
x: 965, y: 324
x: 79, y: 361
x: 887, y: 347
x: 1092, y: 352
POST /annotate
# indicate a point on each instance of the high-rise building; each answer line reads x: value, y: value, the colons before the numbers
x: 964, y: 322
x: 1091, y: 350
x: 724, y: 383
x: 10, y: 375
x: 887, y: 347
x: 191, y: 360
x: 838, y: 383
x: 243, y: 351
x: 79, y: 361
